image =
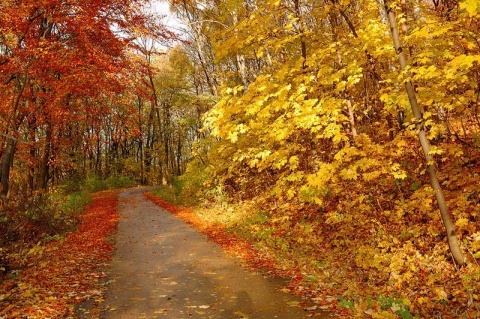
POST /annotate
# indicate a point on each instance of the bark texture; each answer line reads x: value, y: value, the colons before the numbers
x: 425, y: 143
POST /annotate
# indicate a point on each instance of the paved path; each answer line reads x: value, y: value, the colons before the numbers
x: 165, y: 269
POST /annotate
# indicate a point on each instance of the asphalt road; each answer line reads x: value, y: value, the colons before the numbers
x: 163, y: 268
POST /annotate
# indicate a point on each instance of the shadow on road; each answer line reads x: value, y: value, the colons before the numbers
x: 163, y: 268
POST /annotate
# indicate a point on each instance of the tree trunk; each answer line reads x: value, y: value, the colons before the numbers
x: 346, y: 95
x: 6, y: 164
x: 179, y: 154
x: 242, y: 69
x: 43, y: 177
x: 301, y: 31
x: 32, y: 128
x: 203, y: 63
x: 447, y: 221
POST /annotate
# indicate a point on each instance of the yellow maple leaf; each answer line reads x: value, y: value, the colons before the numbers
x: 461, y: 222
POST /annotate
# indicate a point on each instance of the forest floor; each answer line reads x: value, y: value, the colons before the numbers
x: 50, y: 278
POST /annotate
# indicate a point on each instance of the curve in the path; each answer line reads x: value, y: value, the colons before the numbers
x: 163, y: 268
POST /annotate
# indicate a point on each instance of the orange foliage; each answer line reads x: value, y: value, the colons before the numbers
x: 64, y: 272
x: 254, y: 257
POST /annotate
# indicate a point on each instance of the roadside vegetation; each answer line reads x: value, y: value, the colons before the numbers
x: 344, y: 144
x: 52, y: 277
x: 374, y: 266
x: 34, y: 222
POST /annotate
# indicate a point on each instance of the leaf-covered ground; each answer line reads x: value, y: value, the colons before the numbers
x: 253, y: 257
x: 64, y: 272
x: 323, y: 262
x: 218, y: 234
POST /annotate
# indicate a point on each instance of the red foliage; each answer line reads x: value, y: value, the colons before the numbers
x: 64, y: 272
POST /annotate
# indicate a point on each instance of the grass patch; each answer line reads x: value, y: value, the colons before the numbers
x: 170, y: 193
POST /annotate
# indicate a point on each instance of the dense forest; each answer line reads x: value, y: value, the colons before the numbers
x: 343, y: 134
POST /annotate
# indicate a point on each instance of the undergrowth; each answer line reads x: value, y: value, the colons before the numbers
x: 61, y: 271
x: 380, y: 266
x: 26, y: 221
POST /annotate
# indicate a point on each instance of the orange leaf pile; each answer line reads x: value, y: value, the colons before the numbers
x: 63, y: 273
x: 254, y: 257
x: 218, y: 234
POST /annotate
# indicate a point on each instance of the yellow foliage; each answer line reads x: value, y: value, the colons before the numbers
x: 384, y: 315
x: 335, y: 133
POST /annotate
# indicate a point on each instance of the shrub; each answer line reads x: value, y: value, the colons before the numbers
x: 119, y: 182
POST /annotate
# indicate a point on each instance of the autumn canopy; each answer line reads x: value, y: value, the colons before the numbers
x: 350, y: 129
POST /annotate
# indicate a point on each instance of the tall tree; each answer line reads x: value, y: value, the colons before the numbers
x: 60, y: 62
x: 420, y: 127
